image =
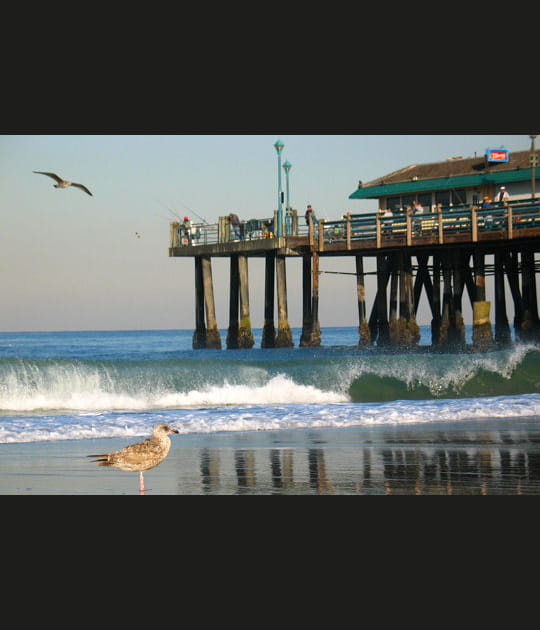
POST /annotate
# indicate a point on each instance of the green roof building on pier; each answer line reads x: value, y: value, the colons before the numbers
x: 455, y: 181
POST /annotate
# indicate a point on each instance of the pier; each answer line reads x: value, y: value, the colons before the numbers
x: 442, y: 254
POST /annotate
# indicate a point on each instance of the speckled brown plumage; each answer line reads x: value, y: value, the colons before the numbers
x: 140, y: 456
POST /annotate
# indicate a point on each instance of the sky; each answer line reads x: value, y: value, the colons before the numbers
x: 73, y: 262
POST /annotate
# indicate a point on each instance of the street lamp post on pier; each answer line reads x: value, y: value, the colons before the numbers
x: 287, y: 167
x: 279, y: 231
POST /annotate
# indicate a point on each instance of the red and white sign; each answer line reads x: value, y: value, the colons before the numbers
x: 497, y: 155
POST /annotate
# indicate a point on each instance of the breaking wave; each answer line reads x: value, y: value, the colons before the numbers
x: 32, y: 385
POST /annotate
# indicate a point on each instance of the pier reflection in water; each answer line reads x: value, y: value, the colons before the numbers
x: 466, y: 458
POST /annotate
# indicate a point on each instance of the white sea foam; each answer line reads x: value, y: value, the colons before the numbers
x: 278, y: 390
x: 90, y: 395
x: 264, y: 416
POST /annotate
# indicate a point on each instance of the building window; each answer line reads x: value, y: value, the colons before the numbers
x: 394, y: 203
x: 424, y: 199
x: 459, y: 197
x: 428, y: 200
x: 407, y: 201
x: 442, y: 197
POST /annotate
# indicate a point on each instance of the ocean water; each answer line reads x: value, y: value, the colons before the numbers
x: 86, y: 385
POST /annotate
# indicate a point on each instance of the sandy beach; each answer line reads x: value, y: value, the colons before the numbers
x: 488, y: 457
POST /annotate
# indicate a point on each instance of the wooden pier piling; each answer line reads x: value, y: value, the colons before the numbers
x: 436, y: 311
x: 269, y: 329
x: 457, y: 325
x: 284, y: 334
x: 379, y: 326
x: 393, y: 322
x: 363, y: 326
x: 234, y: 292
x: 502, y: 328
x: 305, y: 337
x: 213, y: 338
x: 199, y: 335
x: 530, y: 325
x: 315, y: 326
x: 205, y: 336
x: 239, y: 334
x: 245, y: 335
x: 512, y: 273
x: 311, y: 330
x: 482, y: 334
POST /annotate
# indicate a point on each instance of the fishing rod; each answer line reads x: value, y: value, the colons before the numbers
x: 177, y: 216
x: 161, y: 216
x: 195, y: 213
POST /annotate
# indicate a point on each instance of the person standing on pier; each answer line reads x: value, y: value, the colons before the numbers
x: 187, y: 230
x: 503, y: 195
x: 234, y: 222
x: 310, y: 213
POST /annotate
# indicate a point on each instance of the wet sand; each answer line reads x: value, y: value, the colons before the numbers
x: 489, y: 457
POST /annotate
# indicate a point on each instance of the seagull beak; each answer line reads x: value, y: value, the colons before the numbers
x: 175, y: 431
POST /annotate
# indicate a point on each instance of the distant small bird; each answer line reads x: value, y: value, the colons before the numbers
x: 142, y: 455
x: 62, y: 183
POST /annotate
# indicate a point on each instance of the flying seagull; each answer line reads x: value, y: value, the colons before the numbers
x: 142, y: 455
x: 62, y: 183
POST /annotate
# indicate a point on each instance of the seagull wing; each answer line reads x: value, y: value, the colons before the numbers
x: 53, y: 175
x: 140, y: 456
x: 82, y: 188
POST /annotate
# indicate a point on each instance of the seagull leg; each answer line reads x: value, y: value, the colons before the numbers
x: 141, y: 482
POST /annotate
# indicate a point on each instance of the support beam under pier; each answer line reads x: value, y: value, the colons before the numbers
x: 503, y: 335
x: 311, y: 330
x: 284, y: 334
x: 363, y: 326
x: 482, y: 335
x: 232, y: 333
x: 199, y: 335
x: 269, y: 330
x: 213, y: 338
x: 530, y: 326
x: 239, y: 334
x: 245, y: 335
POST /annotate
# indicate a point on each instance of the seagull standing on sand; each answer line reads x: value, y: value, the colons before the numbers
x: 62, y: 183
x: 142, y: 455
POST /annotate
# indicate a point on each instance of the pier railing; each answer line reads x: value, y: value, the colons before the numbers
x: 444, y: 225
